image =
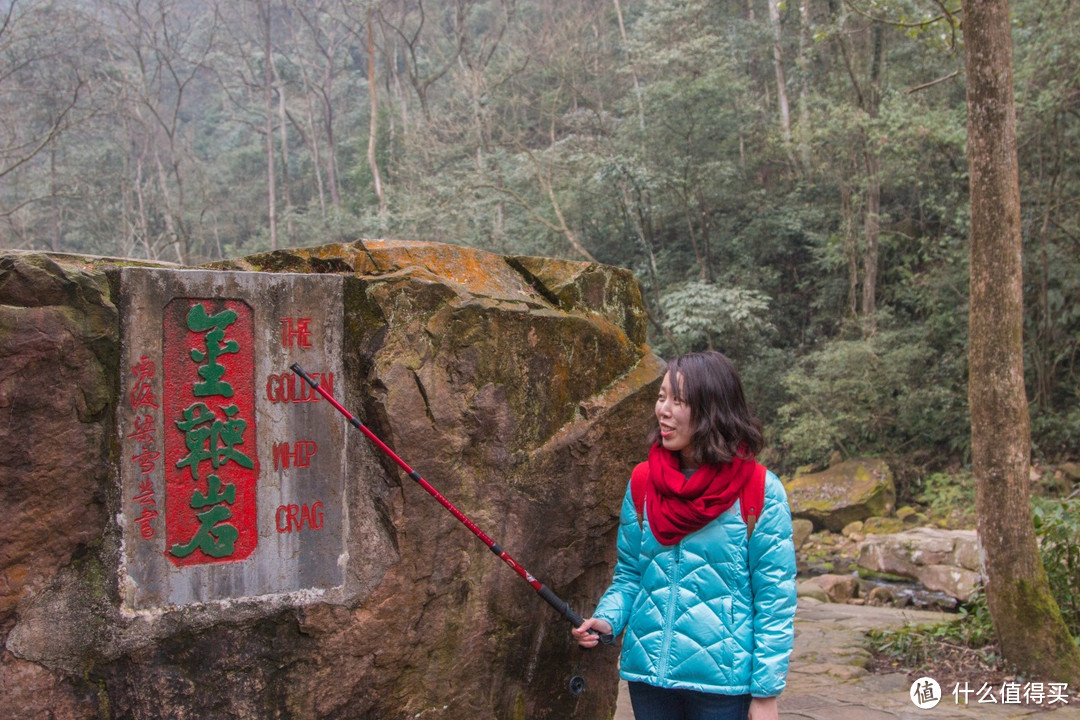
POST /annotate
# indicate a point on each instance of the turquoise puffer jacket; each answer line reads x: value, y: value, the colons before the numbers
x: 709, y: 613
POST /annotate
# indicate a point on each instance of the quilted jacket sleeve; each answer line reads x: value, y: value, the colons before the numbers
x: 772, y: 580
x: 619, y: 598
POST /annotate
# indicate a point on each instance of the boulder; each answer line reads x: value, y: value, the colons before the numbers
x: 811, y: 589
x: 1070, y: 471
x: 852, y: 529
x: 956, y: 582
x: 882, y: 526
x: 881, y: 596
x: 916, y: 519
x: 904, y: 512
x: 851, y: 491
x: 800, y: 531
x: 942, y: 560
x: 521, y: 388
x: 839, y: 588
x: 58, y: 373
x: 1049, y: 483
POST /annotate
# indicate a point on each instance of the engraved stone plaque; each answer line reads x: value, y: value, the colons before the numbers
x: 231, y: 487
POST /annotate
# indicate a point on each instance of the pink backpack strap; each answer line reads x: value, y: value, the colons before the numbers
x: 639, y: 483
x: 752, y: 499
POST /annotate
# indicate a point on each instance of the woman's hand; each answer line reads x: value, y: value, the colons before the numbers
x: 763, y: 709
x: 587, y: 639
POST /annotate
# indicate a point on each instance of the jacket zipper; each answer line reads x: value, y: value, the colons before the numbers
x: 669, y: 615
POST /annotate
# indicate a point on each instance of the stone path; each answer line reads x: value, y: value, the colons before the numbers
x: 827, y: 680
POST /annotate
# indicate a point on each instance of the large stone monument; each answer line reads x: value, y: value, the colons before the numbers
x: 192, y: 533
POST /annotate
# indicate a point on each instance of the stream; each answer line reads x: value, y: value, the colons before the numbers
x: 908, y: 593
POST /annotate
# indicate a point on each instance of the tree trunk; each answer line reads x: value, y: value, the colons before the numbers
x: 872, y: 223
x: 781, y: 77
x: 271, y: 180
x: 706, y: 234
x: 1043, y: 354
x: 871, y: 234
x: 172, y: 236
x: 139, y: 188
x: 326, y: 96
x: 688, y: 215
x: 373, y: 133
x: 851, y: 248
x: 803, y: 65
x: 283, y: 133
x: 630, y: 62
x: 1028, y: 622
x: 56, y: 237
x: 316, y: 151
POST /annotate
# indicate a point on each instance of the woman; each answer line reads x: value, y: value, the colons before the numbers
x: 707, y: 607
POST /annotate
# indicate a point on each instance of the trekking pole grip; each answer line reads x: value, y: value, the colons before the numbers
x: 556, y: 602
x: 295, y: 367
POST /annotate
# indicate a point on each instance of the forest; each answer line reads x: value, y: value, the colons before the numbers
x: 787, y: 180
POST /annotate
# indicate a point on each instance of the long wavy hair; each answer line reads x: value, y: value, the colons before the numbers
x: 723, y: 424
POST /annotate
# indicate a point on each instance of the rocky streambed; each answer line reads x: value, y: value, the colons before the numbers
x: 830, y: 569
x: 854, y: 546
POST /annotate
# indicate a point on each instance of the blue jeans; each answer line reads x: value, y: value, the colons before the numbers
x: 653, y: 703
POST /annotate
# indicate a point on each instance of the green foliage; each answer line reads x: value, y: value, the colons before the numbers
x: 1057, y: 525
x: 698, y: 313
x: 949, y: 497
x: 917, y: 645
x: 1047, y: 65
x: 1054, y: 433
x: 876, y: 394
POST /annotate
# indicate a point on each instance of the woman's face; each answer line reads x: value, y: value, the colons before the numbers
x: 674, y: 419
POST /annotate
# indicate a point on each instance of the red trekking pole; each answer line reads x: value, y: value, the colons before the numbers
x: 542, y: 590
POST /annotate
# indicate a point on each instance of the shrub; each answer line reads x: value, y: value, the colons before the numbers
x: 1057, y: 525
x: 1054, y: 434
x: 949, y: 497
x: 968, y: 638
x: 707, y: 315
x: 874, y: 395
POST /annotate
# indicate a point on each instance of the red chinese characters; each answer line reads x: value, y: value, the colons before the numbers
x: 211, y: 463
x: 142, y: 401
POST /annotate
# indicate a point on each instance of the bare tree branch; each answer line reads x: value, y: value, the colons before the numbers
x: 58, y: 125
x: 932, y: 83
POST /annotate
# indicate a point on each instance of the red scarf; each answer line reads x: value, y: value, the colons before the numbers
x: 677, y: 505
